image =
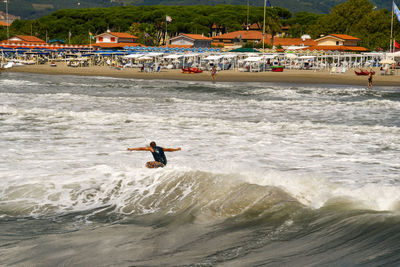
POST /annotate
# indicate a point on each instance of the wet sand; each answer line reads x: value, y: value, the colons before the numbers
x: 287, y: 76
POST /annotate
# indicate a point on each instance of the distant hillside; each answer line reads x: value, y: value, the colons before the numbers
x: 28, y: 9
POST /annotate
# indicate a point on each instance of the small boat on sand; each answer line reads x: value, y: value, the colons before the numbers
x: 191, y: 70
x: 364, y: 72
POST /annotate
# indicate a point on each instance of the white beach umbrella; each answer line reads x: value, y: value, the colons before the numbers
x: 133, y: 56
x: 213, y: 57
x: 253, y: 59
x: 291, y: 56
x: 395, y: 54
x: 387, y: 61
x: 269, y: 56
x: 144, y: 58
x: 307, y: 57
x: 229, y: 56
x: 173, y: 56
x: 191, y: 55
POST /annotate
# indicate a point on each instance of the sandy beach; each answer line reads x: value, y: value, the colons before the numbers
x: 287, y: 76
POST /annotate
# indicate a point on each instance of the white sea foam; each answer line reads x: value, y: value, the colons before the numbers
x: 316, y: 191
x: 64, y: 148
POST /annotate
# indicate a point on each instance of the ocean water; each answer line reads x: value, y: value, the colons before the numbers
x: 269, y: 174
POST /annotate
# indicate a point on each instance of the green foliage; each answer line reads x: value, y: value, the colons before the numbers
x: 146, y: 32
x: 185, y: 19
x: 354, y: 17
x: 300, y: 23
x: 357, y: 18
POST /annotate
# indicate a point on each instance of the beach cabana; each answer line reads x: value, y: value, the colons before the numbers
x: 174, y: 61
x: 213, y: 60
x: 191, y: 60
x: 253, y: 63
x: 228, y: 61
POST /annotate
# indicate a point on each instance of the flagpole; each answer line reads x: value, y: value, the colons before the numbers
x: 265, y: 6
x: 247, y: 22
x: 166, y: 32
x: 8, y: 24
x: 391, y: 29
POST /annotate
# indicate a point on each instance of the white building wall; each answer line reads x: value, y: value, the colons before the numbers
x: 106, y: 39
x: 182, y: 41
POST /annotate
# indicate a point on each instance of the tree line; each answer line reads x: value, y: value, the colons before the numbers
x: 358, y: 18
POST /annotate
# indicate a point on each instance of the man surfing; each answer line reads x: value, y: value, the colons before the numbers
x: 158, y: 153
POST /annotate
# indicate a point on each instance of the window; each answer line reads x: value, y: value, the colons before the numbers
x: 112, y: 39
x: 100, y: 39
x: 337, y: 42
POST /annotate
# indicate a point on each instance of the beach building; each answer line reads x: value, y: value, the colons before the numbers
x: 238, y: 38
x: 288, y: 43
x: 24, y: 40
x: 338, y: 42
x: 27, y: 41
x: 115, y: 40
x: 4, y: 24
x: 193, y: 40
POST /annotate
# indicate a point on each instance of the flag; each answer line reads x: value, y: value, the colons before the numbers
x: 168, y: 18
x: 396, y: 44
x: 91, y: 36
x: 69, y: 34
x: 396, y: 11
x: 267, y: 3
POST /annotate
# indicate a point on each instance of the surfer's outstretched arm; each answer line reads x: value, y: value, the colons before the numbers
x: 139, y: 149
x: 171, y: 149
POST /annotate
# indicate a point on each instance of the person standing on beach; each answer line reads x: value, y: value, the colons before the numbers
x: 370, y: 77
x: 214, y: 73
x: 160, y: 160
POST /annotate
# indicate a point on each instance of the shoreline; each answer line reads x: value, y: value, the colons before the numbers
x: 287, y: 76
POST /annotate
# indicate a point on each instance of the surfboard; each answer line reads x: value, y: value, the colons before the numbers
x: 154, y: 164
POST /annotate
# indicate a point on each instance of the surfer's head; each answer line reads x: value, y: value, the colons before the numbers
x: 153, y: 144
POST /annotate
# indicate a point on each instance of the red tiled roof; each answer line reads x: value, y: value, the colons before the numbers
x: 115, y: 45
x: 344, y: 36
x: 197, y: 36
x: 25, y: 39
x: 22, y: 43
x: 290, y: 41
x: 245, y: 35
x: 339, y: 36
x: 337, y: 48
x: 5, y: 24
x: 119, y: 35
x: 30, y: 39
x: 123, y: 35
